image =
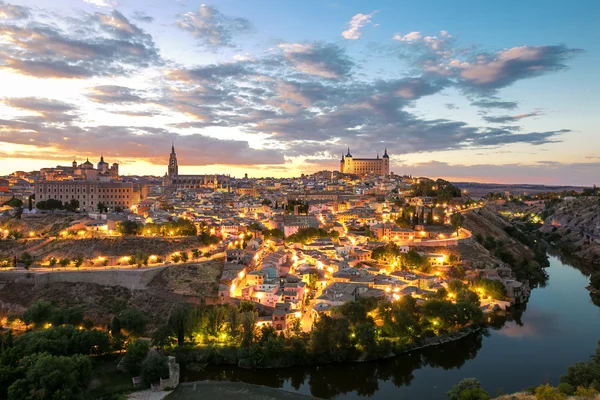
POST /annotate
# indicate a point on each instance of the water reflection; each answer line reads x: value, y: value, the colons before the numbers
x: 361, y: 378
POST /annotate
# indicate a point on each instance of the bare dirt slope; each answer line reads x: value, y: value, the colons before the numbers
x: 192, y: 279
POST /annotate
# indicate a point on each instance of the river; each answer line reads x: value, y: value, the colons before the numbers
x: 558, y: 327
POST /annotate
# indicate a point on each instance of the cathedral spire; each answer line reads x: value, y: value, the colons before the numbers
x: 385, y: 154
x: 348, y: 155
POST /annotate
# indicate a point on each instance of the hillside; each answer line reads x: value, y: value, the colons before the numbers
x: 574, y: 226
x: 94, y: 247
x: 166, y: 290
x: 498, y: 241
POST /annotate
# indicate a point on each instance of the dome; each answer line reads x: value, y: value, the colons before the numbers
x: 87, y: 164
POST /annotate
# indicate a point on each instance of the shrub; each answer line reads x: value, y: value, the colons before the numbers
x: 566, y: 388
x: 586, y: 392
x: 136, y: 354
x: 154, y: 367
x: 547, y: 392
x: 468, y: 389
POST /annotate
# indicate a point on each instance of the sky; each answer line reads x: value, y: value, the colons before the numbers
x: 505, y: 92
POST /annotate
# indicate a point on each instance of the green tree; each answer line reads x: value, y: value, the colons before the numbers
x: 78, y: 261
x: 26, y: 259
x: 64, y: 262
x: 154, y: 367
x: 129, y: 228
x: 184, y: 257
x: 457, y: 220
x: 249, y: 319
x: 133, y: 320
x: 196, y: 254
x: 101, y: 207
x: 52, y: 377
x: 52, y: 262
x: 38, y: 313
x: 14, y: 202
x: 72, y: 205
x: 175, y: 258
x: 136, y: 353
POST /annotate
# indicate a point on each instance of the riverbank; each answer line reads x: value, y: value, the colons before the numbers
x: 527, y: 396
x: 221, y: 390
x: 197, y: 359
x: 148, y: 395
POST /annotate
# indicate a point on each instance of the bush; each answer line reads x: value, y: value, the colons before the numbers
x: 586, y: 392
x: 468, y: 389
x: 154, y: 367
x: 136, y: 354
x: 566, y: 388
x: 547, y: 392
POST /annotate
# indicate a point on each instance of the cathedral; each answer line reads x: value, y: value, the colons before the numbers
x: 172, y: 179
x: 364, y: 166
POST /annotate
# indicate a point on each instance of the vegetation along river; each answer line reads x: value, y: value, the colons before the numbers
x: 558, y: 327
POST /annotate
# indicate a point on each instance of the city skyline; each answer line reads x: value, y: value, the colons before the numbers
x: 274, y: 90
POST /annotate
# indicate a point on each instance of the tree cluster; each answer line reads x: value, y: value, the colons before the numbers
x: 307, y: 235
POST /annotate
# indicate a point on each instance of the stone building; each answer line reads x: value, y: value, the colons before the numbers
x: 88, y: 193
x: 364, y: 166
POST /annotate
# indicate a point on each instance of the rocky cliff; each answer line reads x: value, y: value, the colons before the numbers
x: 573, y: 225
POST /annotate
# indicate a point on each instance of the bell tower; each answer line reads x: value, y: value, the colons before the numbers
x: 173, y: 169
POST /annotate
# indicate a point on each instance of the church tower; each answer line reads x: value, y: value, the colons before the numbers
x: 173, y: 170
x: 386, y: 163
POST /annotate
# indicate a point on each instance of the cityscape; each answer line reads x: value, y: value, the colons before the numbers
x: 195, y: 202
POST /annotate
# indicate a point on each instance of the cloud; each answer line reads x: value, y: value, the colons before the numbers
x: 355, y: 24
x: 538, y: 173
x: 510, y: 118
x: 212, y: 28
x: 94, y: 45
x: 304, y: 99
x: 101, y: 3
x: 507, y: 105
x: 142, y: 16
x: 48, y: 111
x: 411, y: 37
x: 325, y: 60
x: 480, y: 71
x: 503, y: 137
x: 148, y: 143
x: 113, y: 94
x: 451, y: 106
x: 36, y: 104
x: 14, y: 12
x: 505, y: 67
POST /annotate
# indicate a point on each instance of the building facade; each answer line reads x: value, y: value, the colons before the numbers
x: 88, y: 193
x: 84, y: 171
x: 364, y: 166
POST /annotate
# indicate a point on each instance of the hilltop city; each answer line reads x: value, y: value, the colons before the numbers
x: 348, y: 265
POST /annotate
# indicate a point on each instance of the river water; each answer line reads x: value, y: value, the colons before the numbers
x: 558, y: 327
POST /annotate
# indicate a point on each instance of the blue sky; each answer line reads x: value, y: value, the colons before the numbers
x: 468, y: 90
